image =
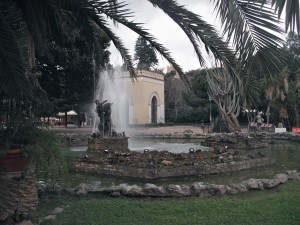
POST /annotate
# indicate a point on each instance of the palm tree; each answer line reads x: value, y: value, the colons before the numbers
x: 28, y: 25
x: 249, y: 26
x: 276, y: 92
x: 243, y: 23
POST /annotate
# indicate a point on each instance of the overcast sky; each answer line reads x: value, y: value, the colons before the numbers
x: 165, y: 30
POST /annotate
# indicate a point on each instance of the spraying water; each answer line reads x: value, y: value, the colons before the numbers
x: 111, y: 88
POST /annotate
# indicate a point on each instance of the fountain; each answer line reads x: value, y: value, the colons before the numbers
x: 109, y: 126
x: 108, y: 152
x: 106, y: 139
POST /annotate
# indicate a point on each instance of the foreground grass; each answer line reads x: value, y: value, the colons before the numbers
x: 278, y: 206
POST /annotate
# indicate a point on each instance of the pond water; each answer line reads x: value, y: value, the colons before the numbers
x: 171, y: 145
x: 287, y: 157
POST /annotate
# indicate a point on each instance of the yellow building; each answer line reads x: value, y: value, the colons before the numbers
x: 145, y: 101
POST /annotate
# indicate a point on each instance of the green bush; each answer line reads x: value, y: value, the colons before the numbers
x: 44, y: 152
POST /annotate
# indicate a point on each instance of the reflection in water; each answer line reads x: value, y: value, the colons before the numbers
x: 171, y: 145
x: 287, y: 157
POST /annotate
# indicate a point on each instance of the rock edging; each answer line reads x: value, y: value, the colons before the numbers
x: 169, y: 171
x: 197, y: 189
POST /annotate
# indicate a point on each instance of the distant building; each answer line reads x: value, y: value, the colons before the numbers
x: 145, y: 101
x: 171, y: 69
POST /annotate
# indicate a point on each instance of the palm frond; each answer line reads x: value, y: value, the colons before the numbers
x: 112, y: 7
x: 101, y: 22
x: 251, y: 26
x: 292, y: 10
x: 12, y: 66
x: 35, y: 15
x: 122, y: 15
x: 250, y: 95
x: 198, y: 31
x: 98, y: 44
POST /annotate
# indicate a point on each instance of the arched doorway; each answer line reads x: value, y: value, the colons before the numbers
x: 154, y: 110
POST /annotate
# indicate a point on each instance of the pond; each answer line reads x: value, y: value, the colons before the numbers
x: 287, y: 157
x: 171, y: 145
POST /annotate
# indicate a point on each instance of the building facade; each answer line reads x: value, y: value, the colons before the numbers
x: 144, y: 97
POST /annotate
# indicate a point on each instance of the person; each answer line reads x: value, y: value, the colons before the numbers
x: 259, y: 120
x: 202, y: 125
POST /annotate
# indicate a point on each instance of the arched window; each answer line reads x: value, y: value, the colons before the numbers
x: 154, y: 110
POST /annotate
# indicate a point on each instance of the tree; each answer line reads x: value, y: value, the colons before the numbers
x: 293, y: 44
x: 25, y: 27
x: 144, y: 54
x: 198, y: 97
x: 90, y: 14
x: 277, y: 96
x: 224, y: 91
x: 282, y: 92
x: 68, y: 76
x: 176, y: 106
x: 199, y: 94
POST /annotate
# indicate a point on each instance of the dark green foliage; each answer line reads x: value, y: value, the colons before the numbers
x: 198, y: 95
x: 41, y: 147
x: 144, y: 54
x: 68, y: 77
x: 43, y: 151
x: 12, y: 59
x: 198, y: 98
x: 184, y: 105
x: 175, y: 104
x: 283, y: 96
x: 30, y: 26
x: 293, y: 43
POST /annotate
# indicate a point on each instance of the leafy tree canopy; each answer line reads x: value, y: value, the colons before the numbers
x: 293, y: 43
x: 144, y: 54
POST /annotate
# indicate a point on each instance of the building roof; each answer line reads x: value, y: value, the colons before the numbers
x: 70, y: 113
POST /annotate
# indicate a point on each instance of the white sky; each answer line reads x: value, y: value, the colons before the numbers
x: 165, y: 30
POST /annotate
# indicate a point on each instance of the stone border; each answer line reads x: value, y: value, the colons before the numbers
x: 197, y: 189
x: 78, y: 139
x: 170, y: 171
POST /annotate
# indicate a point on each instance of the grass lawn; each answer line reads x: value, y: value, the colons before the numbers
x: 280, y: 206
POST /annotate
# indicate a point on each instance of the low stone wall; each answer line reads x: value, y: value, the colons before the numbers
x: 105, y: 143
x: 18, y: 194
x: 171, y: 171
x: 198, y: 189
x: 237, y: 141
x: 73, y: 139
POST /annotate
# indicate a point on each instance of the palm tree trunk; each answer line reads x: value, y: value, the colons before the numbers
x: 268, y: 113
x: 30, y: 51
x: 18, y: 195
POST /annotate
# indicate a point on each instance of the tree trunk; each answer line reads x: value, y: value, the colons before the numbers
x: 224, y: 91
x: 66, y: 119
x: 18, y: 195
